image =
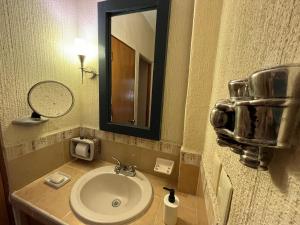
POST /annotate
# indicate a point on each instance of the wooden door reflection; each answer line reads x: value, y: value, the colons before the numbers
x: 123, y: 75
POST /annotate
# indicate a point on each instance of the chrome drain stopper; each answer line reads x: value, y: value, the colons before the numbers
x: 116, y: 203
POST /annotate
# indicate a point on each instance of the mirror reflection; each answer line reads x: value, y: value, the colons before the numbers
x: 132, y: 60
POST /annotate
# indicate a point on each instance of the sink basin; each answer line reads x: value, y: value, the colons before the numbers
x: 103, y: 197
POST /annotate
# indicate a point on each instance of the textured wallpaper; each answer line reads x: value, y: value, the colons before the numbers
x: 202, y: 63
x: 253, y: 35
x: 36, y: 44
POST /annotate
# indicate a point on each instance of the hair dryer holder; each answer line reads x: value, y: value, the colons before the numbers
x: 260, y: 116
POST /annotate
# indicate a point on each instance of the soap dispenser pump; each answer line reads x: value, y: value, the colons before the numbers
x: 171, y: 203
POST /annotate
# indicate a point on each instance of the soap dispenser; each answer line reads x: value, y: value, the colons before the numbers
x: 171, y: 203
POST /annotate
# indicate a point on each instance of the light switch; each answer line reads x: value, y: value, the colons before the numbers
x: 216, y: 164
x: 224, y: 196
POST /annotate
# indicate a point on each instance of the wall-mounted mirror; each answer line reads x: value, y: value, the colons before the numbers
x: 133, y: 42
x: 47, y: 99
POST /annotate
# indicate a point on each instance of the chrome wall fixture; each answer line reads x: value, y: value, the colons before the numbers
x: 260, y: 116
x: 84, y: 70
x: 82, y: 49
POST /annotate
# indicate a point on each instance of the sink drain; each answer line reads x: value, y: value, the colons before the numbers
x: 116, y: 203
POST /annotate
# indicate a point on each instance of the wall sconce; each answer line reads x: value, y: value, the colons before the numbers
x: 81, y: 50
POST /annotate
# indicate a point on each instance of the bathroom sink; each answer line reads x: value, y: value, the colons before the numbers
x: 103, y: 197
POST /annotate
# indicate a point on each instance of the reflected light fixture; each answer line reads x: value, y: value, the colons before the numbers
x: 81, y: 50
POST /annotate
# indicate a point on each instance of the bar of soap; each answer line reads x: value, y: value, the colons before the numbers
x: 56, y: 178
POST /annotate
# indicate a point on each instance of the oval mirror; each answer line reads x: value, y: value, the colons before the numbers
x: 50, y: 99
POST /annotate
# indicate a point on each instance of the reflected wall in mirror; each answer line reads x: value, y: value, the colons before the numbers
x: 133, y: 42
x: 132, y: 58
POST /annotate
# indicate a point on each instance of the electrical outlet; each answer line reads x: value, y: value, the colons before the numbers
x: 224, y: 196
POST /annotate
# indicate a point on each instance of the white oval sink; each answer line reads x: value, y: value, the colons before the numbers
x: 103, y: 197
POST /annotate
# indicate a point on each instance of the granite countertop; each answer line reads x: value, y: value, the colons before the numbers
x: 51, y: 206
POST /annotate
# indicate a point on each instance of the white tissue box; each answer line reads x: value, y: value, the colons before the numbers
x: 83, y: 148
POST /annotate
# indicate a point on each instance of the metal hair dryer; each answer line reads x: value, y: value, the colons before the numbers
x: 261, y: 114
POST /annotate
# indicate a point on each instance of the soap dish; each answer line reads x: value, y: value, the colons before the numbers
x: 57, y: 179
x: 164, y: 166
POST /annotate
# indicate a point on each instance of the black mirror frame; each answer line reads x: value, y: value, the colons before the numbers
x: 106, y: 10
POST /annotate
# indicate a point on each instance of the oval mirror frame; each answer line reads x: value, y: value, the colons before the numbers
x: 38, y: 112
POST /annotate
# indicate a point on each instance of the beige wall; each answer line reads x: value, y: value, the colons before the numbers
x: 134, y: 30
x: 202, y: 59
x: 34, y: 47
x: 202, y: 62
x: 253, y: 35
x: 35, y: 41
x: 176, y: 68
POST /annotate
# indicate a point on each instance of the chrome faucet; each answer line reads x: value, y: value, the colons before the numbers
x: 126, y: 170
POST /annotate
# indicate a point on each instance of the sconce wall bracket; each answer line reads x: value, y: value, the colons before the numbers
x: 85, y: 70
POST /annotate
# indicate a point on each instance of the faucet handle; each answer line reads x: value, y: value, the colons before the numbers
x: 132, y: 167
x: 117, y: 161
